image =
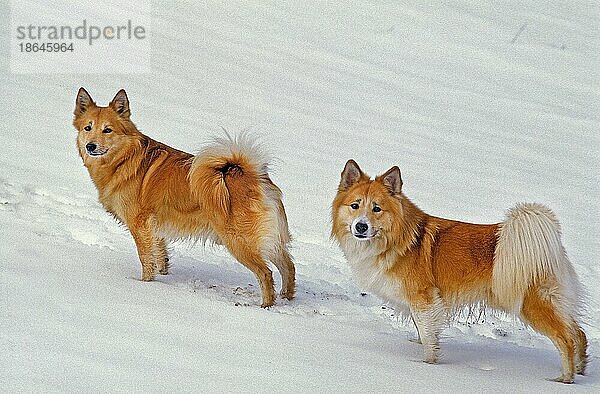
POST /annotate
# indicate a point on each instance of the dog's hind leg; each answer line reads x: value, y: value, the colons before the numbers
x: 581, y: 357
x: 429, y: 320
x: 252, y: 259
x: 162, y: 256
x: 543, y: 315
x: 285, y: 266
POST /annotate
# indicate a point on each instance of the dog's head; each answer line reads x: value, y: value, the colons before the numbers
x: 366, y: 210
x: 102, y: 131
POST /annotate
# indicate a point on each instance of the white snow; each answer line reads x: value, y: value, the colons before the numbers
x: 477, y: 117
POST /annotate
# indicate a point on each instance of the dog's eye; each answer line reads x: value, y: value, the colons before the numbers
x: 354, y: 206
x: 107, y: 130
x: 376, y: 209
x: 87, y: 128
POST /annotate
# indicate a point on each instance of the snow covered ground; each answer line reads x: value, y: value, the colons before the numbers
x: 477, y: 115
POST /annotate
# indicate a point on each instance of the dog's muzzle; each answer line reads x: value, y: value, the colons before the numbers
x: 362, y: 229
x: 93, y: 149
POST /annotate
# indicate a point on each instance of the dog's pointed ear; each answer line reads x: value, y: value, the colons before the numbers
x: 83, y: 102
x: 392, y: 180
x: 120, y: 103
x: 351, y: 175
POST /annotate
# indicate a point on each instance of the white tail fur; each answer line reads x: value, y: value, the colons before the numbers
x: 211, y: 167
x: 232, y: 146
x: 528, y: 251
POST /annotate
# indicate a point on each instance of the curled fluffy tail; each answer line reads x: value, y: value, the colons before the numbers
x: 230, y: 179
x: 529, y: 251
x: 228, y: 170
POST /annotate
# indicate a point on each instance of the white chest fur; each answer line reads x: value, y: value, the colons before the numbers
x: 372, y: 271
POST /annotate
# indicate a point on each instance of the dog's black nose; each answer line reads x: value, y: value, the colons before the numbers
x: 91, y: 147
x: 361, y: 227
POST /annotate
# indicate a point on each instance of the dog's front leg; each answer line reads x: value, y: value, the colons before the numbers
x: 429, y: 320
x: 145, y: 242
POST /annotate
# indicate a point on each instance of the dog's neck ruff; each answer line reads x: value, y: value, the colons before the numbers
x: 370, y: 264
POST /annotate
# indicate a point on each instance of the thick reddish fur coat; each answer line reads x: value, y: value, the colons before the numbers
x: 430, y: 267
x: 223, y: 194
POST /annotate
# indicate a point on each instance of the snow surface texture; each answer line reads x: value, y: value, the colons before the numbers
x: 477, y: 117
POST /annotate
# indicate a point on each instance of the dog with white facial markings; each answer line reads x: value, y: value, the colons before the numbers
x: 431, y: 267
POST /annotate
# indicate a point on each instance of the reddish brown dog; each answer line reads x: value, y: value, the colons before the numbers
x: 223, y: 194
x: 431, y: 267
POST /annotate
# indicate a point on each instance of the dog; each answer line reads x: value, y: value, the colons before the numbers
x: 223, y: 194
x: 430, y: 268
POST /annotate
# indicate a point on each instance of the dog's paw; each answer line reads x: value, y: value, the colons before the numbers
x: 147, y: 278
x: 268, y: 303
x: 288, y: 295
x: 563, y: 379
